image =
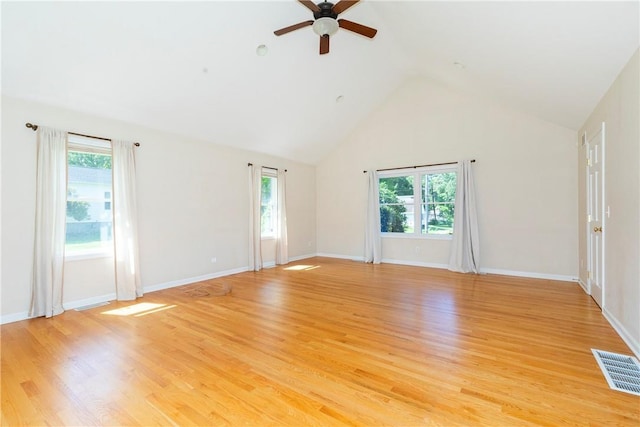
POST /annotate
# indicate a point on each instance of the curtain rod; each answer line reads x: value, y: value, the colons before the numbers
x: 419, y: 166
x: 266, y: 167
x: 35, y: 127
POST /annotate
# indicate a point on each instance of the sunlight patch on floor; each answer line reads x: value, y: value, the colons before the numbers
x: 302, y: 267
x: 137, y: 310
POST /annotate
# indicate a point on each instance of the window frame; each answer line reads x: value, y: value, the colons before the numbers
x: 82, y: 144
x: 418, y: 202
x: 273, y: 174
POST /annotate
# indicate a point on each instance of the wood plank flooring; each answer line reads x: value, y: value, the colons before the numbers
x: 321, y: 342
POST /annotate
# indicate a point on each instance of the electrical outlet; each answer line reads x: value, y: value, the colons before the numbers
x: 214, y: 260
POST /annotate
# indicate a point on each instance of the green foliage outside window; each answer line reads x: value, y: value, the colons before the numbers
x: 392, y: 210
x: 76, y: 209
x: 89, y: 160
x: 439, y: 194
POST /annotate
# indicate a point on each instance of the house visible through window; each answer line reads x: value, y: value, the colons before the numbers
x: 419, y: 203
x: 107, y: 198
x: 268, y: 209
x: 89, y: 216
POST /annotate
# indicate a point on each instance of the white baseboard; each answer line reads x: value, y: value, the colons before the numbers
x: 501, y: 272
x: 70, y: 305
x: 583, y: 286
x: 187, y: 281
x: 301, y: 257
x: 529, y: 274
x: 88, y: 301
x: 14, y: 317
x: 351, y: 258
x: 622, y: 331
x: 415, y: 263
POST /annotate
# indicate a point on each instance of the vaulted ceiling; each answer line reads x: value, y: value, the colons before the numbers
x: 191, y: 67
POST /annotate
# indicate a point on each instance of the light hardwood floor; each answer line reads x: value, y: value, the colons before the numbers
x: 333, y: 343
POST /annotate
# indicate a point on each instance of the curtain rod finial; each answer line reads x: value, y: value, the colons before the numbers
x: 30, y: 126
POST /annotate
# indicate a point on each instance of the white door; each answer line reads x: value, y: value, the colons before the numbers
x: 595, y: 214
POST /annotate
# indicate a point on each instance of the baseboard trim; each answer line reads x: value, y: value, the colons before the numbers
x: 301, y: 257
x: 415, y: 263
x: 350, y: 258
x: 70, y: 305
x: 88, y: 301
x: 583, y: 286
x: 622, y: 331
x: 14, y: 317
x: 187, y: 281
x: 498, y: 271
x: 529, y: 274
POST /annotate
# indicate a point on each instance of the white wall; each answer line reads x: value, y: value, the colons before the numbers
x: 620, y: 110
x: 526, y: 180
x: 193, y: 205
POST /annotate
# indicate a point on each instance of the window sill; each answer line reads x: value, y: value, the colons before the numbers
x: 416, y: 236
x: 81, y: 256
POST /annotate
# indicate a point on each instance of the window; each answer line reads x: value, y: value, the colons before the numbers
x: 269, y: 207
x: 107, y: 198
x: 89, y: 217
x: 421, y: 203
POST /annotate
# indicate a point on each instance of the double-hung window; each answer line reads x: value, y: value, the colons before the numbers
x: 89, y: 189
x: 420, y: 203
x: 269, y: 205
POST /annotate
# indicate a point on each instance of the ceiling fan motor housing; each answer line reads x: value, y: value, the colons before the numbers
x: 326, y: 11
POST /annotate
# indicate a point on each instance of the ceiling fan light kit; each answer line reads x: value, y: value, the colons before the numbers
x: 326, y: 22
x: 325, y: 26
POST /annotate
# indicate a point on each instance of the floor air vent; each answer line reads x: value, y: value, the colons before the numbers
x: 622, y: 372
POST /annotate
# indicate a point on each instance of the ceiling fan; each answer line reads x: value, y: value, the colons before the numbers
x: 326, y: 22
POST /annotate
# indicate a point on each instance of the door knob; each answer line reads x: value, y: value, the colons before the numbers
x: 596, y: 229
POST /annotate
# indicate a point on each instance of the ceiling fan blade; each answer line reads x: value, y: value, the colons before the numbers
x: 290, y: 28
x: 310, y: 5
x: 343, y: 5
x: 357, y: 28
x: 324, y: 44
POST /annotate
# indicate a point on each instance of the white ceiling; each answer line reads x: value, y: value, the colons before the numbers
x: 191, y: 67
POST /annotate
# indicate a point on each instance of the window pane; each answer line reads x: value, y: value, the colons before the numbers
x: 89, y: 217
x: 439, y: 187
x: 401, y: 186
x: 437, y: 218
x: 268, y: 208
x: 438, y: 190
x: 396, y: 204
x: 396, y: 218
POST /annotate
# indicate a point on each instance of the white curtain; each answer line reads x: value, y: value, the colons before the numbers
x: 372, y: 244
x: 282, y: 245
x: 465, y: 247
x: 50, y: 226
x: 255, y: 202
x: 125, y: 222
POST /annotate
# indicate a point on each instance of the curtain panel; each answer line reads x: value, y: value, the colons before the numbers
x: 50, y: 223
x: 125, y: 222
x: 465, y: 246
x: 282, y: 245
x: 372, y: 243
x: 255, y: 203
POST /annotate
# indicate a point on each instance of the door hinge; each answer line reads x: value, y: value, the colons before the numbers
x: 589, y: 218
x: 589, y: 275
